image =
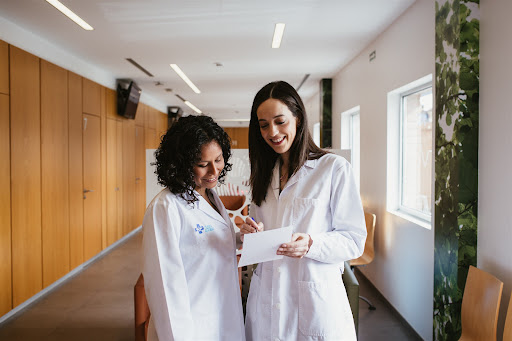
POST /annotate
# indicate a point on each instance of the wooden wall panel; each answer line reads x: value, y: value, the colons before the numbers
x: 112, y: 228
x: 54, y: 172
x: 76, y: 187
x: 5, y: 209
x: 151, y: 139
x: 4, y: 67
x: 140, y: 116
x: 119, y: 177
x: 92, y: 183
x: 112, y: 104
x: 103, y: 111
x: 128, y: 176
x: 91, y: 97
x: 140, y: 175
x: 25, y: 174
x: 151, y: 118
x: 239, y: 137
x: 161, y: 125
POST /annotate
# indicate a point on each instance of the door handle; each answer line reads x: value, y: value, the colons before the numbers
x: 87, y: 191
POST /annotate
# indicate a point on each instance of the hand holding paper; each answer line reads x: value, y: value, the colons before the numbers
x: 262, y: 246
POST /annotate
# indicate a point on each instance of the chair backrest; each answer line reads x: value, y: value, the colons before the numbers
x: 507, y: 331
x: 369, y: 251
x: 480, y: 306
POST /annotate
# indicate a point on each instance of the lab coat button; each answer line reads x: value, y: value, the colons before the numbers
x: 277, y: 305
x: 278, y: 269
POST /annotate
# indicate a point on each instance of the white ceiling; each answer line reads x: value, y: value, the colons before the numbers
x: 320, y: 37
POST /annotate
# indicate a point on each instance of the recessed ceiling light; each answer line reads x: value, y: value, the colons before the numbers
x: 193, y: 107
x: 278, y: 35
x: 185, y: 78
x: 69, y: 13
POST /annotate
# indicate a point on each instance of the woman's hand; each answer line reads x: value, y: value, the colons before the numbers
x: 250, y: 226
x: 298, y: 247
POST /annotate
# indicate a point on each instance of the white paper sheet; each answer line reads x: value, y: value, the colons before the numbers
x: 262, y: 246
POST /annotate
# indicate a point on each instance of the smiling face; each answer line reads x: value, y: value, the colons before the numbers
x: 278, y: 126
x: 207, y: 169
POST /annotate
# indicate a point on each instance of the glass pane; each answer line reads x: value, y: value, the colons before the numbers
x: 416, y: 155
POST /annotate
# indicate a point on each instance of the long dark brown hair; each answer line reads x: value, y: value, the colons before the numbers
x: 262, y: 156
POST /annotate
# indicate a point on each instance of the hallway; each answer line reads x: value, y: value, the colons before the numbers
x: 97, y: 305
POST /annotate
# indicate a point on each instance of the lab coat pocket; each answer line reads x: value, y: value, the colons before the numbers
x: 321, y: 308
x: 252, y: 299
x: 308, y: 213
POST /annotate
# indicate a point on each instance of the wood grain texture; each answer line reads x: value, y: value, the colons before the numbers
x: 161, y: 125
x: 119, y: 177
x: 54, y: 172
x: 76, y: 201
x: 128, y: 176
x: 4, y: 67
x: 140, y: 176
x: 111, y: 104
x: 5, y: 209
x: 151, y: 118
x: 92, y: 182
x: 103, y: 111
x: 91, y: 97
x: 151, y: 141
x: 25, y: 174
x: 140, y: 116
x: 112, y: 188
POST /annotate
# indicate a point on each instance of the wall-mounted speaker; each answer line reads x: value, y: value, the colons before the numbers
x: 173, y: 115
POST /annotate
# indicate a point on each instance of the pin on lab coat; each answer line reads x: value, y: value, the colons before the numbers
x: 304, y: 299
x: 190, y: 271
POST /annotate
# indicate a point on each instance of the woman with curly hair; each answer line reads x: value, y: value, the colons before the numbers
x: 189, y: 266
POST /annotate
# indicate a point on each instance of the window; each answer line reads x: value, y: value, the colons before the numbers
x: 410, y: 141
x: 350, y: 138
x: 416, y: 152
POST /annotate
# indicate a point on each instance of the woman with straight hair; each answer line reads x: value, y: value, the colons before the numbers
x: 294, y: 182
x: 189, y: 249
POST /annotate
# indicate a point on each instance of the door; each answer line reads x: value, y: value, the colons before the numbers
x: 92, y: 185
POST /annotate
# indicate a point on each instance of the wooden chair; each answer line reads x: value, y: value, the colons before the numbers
x: 507, y: 330
x: 480, y: 306
x: 369, y: 251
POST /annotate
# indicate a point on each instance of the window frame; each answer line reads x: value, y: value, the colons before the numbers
x: 407, y: 210
x: 394, y: 153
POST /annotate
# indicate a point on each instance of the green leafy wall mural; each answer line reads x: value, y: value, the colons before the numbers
x: 456, y: 158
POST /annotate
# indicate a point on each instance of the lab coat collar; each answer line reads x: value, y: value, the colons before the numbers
x: 311, y: 164
x: 204, y: 206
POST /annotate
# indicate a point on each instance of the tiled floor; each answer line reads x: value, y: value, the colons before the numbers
x: 97, y: 305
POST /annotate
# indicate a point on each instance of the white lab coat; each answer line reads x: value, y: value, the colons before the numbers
x: 190, y: 271
x: 304, y: 299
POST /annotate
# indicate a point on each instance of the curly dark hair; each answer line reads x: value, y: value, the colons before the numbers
x: 180, y: 150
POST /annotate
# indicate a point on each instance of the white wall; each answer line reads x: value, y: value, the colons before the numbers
x: 495, y: 156
x: 403, y: 266
x: 312, y: 106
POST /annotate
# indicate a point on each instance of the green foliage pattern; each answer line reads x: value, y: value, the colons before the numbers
x: 456, y: 158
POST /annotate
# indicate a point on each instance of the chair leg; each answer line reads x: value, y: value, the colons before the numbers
x: 370, y: 305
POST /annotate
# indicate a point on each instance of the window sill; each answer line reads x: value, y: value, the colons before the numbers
x: 412, y: 219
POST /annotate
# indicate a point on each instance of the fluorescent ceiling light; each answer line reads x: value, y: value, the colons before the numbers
x: 185, y: 78
x: 193, y: 107
x: 68, y: 13
x: 278, y: 35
